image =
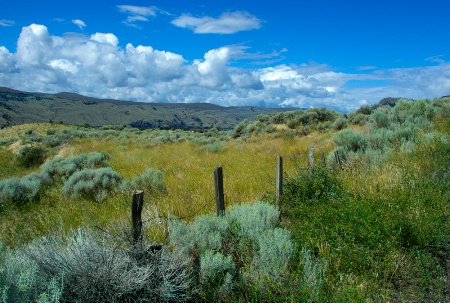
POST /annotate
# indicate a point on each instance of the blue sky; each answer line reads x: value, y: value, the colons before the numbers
x: 337, y: 54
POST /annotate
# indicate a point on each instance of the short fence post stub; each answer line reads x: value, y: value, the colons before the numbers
x: 136, y: 217
x: 279, y: 190
x: 220, y: 197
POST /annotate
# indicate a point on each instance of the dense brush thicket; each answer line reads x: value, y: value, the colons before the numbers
x: 59, y: 136
x: 212, y: 259
x: 375, y: 230
x: 397, y: 127
x: 302, y: 122
x: 86, y: 175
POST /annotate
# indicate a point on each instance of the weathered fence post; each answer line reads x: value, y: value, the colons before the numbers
x: 322, y: 156
x: 136, y: 217
x: 311, y: 156
x: 279, y: 190
x: 220, y: 197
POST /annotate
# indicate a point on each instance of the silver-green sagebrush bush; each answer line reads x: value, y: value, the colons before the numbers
x: 313, y: 274
x: 22, y: 281
x: 62, y: 168
x: 92, y: 183
x: 20, y: 191
x: 93, y: 269
x: 150, y: 181
x: 244, y: 246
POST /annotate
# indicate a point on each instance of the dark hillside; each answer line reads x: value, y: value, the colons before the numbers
x: 17, y: 107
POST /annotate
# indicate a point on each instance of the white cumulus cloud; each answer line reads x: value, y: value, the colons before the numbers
x: 227, y: 23
x: 96, y: 65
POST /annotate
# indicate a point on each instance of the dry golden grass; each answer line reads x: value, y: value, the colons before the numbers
x: 39, y: 129
x: 249, y: 172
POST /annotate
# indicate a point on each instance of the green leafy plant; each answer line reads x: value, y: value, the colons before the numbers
x: 30, y: 156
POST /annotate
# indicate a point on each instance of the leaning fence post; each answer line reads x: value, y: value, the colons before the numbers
x: 220, y: 197
x: 279, y: 190
x: 136, y: 217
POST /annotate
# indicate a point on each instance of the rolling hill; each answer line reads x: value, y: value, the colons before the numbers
x: 18, y: 107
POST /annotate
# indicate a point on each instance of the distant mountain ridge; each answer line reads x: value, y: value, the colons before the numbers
x: 18, y: 107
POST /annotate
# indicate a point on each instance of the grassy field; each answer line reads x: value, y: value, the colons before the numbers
x: 375, y: 231
x: 249, y: 172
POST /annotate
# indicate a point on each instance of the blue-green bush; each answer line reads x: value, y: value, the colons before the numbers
x: 213, y: 147
x: 216, y: 272
x: 63, y: 168
x: 22, y: 281
x: 92, y: 183
x: 93, y: 269
x: 150, y: 181
x: 313, y: 274
x: 244, y: 246
x: 340, y: 123
x: 351, y: 140
x: 19, y: 191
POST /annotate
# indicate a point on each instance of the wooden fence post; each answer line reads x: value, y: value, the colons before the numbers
x: 311, y: 156
x: 279, y: 190
x: 220, y: 197
x: 136, y: 217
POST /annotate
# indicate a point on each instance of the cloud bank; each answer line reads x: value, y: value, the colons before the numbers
x: 97, y: 66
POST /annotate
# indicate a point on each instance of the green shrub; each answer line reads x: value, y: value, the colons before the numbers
x: 351, y: 140
x: 30, y: 156
x: 151, y: 182
x: 340, y: 123
x: 312, y: 186
x: 92, y: 183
